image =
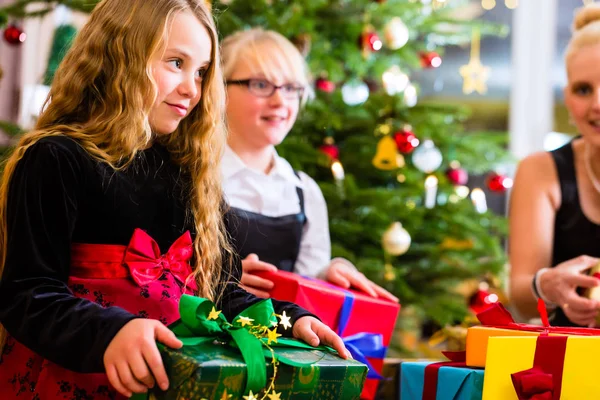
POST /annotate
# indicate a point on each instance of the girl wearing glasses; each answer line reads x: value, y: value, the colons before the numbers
x: 278, y: 216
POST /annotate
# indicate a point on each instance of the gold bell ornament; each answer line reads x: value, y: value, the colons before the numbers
x: 386, y: 157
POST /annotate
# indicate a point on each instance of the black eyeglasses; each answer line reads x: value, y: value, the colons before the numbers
x: 264, y: 88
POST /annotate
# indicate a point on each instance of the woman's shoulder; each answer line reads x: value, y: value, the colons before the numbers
x: 537, y: 175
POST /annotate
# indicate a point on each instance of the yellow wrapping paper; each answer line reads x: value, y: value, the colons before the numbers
x: 507, y: 355
x: 477, y: 342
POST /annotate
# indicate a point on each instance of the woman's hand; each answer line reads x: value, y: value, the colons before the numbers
x: 559, y: 285
x: 314, y: 332
x: 132, y: 361
x: 342, y: 273
x: 254, y: 284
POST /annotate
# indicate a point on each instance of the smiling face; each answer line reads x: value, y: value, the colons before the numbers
x: 254, y: 121
x: 178, y: 70
x: 582, y: 93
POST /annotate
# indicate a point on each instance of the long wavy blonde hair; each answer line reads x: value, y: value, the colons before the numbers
x: 101, y: 96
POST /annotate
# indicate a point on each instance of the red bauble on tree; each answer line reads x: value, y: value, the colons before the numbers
x: 371, y: 41
x: 330, y: 149
x: 14, y: 35
x: 406, y: 141
x: 430, y: 59
x: 456, y: 174
x: 325, y: 85
x: 498, y: 183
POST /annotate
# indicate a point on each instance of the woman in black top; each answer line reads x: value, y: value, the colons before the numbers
x: 555, y: 204
x: 111, y: 209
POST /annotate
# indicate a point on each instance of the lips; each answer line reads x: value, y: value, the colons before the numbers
x: 178, y: 108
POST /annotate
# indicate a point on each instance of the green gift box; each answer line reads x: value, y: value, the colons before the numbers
x: 246, y: 360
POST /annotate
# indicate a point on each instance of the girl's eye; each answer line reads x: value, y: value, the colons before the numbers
x: 176, y: 63
x: 201, y: 73
x: 582, y: 89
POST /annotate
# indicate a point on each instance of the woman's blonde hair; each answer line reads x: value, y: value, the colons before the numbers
x: 101, y: 97
x: 268, y: 53
x: 586, y: 29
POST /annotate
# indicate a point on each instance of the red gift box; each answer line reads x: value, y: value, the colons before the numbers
x: 368, y: 314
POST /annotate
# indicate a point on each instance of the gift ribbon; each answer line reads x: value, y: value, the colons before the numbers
x: 196, y: 329
x: 360, y: 345
x: 544, y: 380
x: 457, y: 360
x: 498, y: 317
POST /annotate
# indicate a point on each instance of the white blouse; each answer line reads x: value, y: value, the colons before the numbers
x: 274, y: 195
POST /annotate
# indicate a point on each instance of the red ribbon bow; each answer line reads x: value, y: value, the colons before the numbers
x: 146, y: 264
x: 533, y: 384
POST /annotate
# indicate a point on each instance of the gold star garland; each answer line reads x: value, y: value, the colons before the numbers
x: 261, y: 332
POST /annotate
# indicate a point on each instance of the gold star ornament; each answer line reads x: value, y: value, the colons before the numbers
x: 214, y: 314
x: 250, y: 396
x: 272, y: 336
x: 245, y: 321
x: 275, y: 396
x: 475, y: 74
x: 284, y: 321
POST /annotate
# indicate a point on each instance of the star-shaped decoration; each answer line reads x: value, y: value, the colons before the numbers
x: 225, y: 396
x: 274, y: 396
x: 284, y: 321
x: 214, y: 314
x: 245, y: 321
x: 475, y: 76
x: 250, y: 396
x: 272, y: 336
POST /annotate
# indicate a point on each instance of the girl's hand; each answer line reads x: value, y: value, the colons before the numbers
x: 254, y: 284
x: 132, y: 361
x: 559, y: 285
x: 342, y: 273
x: 314, y: 332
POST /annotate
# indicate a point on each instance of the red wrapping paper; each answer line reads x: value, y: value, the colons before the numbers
x: 372, y: 315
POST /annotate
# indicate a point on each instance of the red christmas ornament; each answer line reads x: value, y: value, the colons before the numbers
x: 482, y: 300
x: 430, y: 59
x: 457, y: 176
x: 371, y: 41
x: 499, y: 183
x: 406, y: 141
x: 325, y: 85
x: 330, y: 149
x: 14, y: 35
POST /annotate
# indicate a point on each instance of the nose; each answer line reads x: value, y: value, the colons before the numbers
x: 189, y: 85
x: 276, y: 99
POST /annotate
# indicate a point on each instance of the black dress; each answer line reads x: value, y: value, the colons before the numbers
x: 574, y: 233
x: 58, y: 196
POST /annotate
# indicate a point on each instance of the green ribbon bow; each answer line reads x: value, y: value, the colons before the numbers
x: 196, y: 329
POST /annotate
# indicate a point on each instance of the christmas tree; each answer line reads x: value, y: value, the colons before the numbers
x: 392, y: 168
x: 380, y: 156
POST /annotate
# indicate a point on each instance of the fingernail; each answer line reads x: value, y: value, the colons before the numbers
x: 349, y: 355
x: 164, y: 385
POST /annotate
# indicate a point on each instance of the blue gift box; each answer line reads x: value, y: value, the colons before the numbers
x: 453, y: 383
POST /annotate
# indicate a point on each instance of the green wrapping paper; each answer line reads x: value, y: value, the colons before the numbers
x: 245, y: 360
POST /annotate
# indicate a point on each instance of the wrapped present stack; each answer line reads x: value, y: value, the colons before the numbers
x: 364, y: 323
x: 247, y: 359
x: 505, y: 360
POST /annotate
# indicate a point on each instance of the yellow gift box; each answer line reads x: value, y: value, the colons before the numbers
x: 477, y: 342
x: 508, y: 355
